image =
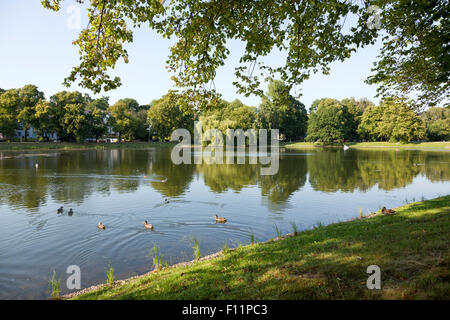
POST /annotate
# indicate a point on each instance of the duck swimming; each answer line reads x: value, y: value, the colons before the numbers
x: 101, y: 226
x: 220, y: 219
x: 387, y: 211
x: 60, y: 210
x: 148, y: 225
x: 70, y: 212
x: 166, y: 201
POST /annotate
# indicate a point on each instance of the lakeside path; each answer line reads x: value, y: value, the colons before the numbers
x: 411, y: 247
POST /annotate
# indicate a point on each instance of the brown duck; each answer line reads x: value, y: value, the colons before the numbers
x: 220, y: 219
x: 387, y: 211
x: 148, y: 225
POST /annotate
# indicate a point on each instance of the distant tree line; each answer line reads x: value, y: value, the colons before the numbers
x: 74, y: 116
x: 392, y: 120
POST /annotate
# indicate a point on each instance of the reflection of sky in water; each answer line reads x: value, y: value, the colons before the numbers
x: 121, y: 188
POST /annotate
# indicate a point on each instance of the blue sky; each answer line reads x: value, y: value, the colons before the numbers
x: 36, y: 48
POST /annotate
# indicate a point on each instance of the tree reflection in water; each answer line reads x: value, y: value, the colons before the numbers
x: 73, y: 176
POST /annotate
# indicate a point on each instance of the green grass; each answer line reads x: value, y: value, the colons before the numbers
x: 54, y: 285
x: 196, y: 247
x: 377, y: 145
x: 277, y: 231
x: 327, y: 262
x: 158, y: 262
x: 110, y: 277
x: 298, y: 145
x: 252, y: 238
x: 18, y: 146
x: 294, y: 228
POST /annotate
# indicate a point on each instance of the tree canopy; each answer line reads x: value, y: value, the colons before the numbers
x: 165, y: 115
x: 74, y: 116
x: 329, y: 123
x: 280, y: 110
x: 9, y: 108
x: 127, y: 118
x: 437, y: 122
x: 228, y: 115
x: 392, y: 120
x: 414, y: 56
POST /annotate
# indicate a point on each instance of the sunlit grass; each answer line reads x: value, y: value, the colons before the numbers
x: 377, y: 145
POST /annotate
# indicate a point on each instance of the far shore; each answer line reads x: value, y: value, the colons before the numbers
x: 440, y: 145
x: 25, y: 146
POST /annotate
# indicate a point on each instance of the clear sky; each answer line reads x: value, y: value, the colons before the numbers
x: 36, y: 48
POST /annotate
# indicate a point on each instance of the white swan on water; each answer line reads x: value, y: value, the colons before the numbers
x: 346, y: 147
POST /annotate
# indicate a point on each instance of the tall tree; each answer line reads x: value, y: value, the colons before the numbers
x: 401, y: 122
x: 329, y: 124
x: 313, y: 34
x: 75, y: 122
x: 166, y: 115
x: 314, y: 105
x: 68, y: 114
x: 9, y: 108
x: 355, y: 111
x: 97, y: 117
x: 392, y: 120
x: 437, y: 122
x: 45, y: 117
x: 127, y: 119
x: 369, y: 127
x: 233, y: 115
x: 120, y: 119
x: 29, y: 97
x: 280, y: 110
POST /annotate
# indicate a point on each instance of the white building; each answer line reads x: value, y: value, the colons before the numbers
x: 32, y: 134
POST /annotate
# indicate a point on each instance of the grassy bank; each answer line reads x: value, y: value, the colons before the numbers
x: 411, y: 247
x: 377, y: 145
x: 18, y: 146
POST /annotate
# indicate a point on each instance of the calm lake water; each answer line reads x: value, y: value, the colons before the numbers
x: 121, y: 188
